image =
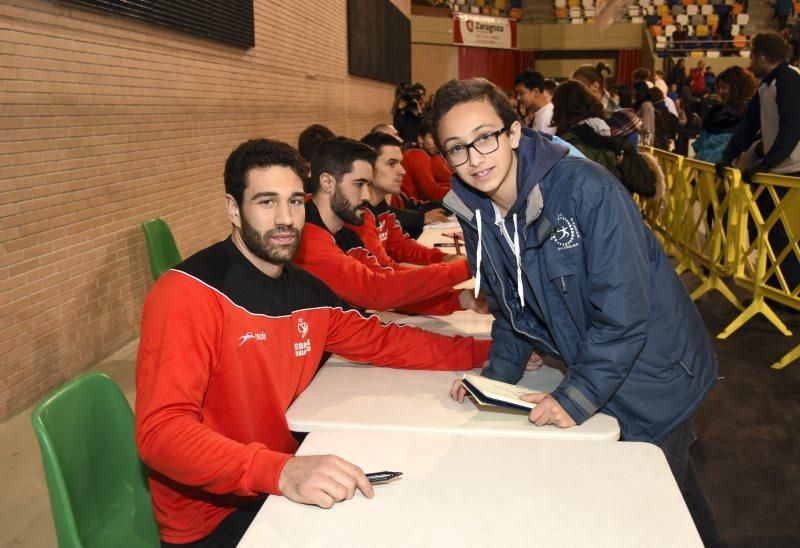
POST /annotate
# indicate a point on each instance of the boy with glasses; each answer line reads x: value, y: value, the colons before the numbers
x: 570, y: 270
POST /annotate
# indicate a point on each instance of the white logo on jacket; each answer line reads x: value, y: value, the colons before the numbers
x: 302, y: 348
x: 566, y: 233
x: 302, y: 328
x: 252, y: 336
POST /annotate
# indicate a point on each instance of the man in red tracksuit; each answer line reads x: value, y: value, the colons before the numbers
x: 427, y: 175
x: 340, y: 175
x: 381, y: 231
x: 229, y: 339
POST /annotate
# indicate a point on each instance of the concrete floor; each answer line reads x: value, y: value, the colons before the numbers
x: 747, y: 454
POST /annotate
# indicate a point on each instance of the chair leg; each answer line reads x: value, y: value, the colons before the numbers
x: 793, y: 355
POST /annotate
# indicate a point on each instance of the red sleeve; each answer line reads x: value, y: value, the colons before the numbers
x: 403, y: 249
x: 178, y: 350
x: 367, y: 340
x: 368, y: 233
x: 370, y: 286
x: 441, y: 171
x: 441, y: 305
x: 417, y: 164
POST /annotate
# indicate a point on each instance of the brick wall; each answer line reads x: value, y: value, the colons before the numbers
x: 106, y: 122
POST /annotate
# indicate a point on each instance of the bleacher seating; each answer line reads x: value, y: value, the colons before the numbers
x: 496, y: 8
x: 701, y: 19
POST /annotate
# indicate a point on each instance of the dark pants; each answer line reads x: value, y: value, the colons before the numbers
x: 228, y: 533
x: 676, y: 449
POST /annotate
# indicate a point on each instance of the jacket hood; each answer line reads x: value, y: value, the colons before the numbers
x: 536, y: 155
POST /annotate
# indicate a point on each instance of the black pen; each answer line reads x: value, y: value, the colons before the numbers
x: 376, y: 477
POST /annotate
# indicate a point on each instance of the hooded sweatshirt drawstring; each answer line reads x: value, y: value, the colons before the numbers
x: 478, y: 255
x: 519, y: 265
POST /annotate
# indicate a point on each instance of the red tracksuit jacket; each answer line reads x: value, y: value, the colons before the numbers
x: 224, y: 351
x: 359, y: 278
x: 427, y: 177
x: 384, y: 237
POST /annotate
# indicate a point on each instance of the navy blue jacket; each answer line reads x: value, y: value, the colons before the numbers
x: 598, y: 291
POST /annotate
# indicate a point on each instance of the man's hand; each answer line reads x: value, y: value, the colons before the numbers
x: 437, y: 215
x: 322, y: 480
x: 547, y: 411
x: 534, y: 362
x: 468, y: 301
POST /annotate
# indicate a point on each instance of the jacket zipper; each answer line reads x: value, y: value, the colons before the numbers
x: 505, y: 302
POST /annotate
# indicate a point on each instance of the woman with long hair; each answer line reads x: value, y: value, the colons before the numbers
x: 578, y: 119
x: 735, y: 86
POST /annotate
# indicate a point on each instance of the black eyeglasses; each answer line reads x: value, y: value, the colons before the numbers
x: 486, y: 143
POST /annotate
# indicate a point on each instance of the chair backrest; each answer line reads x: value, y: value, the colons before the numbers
x: 161, y: 246
x: 97, y: 484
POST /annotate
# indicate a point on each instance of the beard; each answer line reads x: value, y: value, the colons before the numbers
x: 260, y: 244
x: 345, y: 210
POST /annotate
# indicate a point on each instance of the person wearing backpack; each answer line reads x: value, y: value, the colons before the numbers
x: 577, y: 117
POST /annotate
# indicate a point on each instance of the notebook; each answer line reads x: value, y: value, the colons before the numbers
x: 491, y: 392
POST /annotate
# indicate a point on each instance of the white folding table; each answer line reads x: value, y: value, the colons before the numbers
x: 468, y: 491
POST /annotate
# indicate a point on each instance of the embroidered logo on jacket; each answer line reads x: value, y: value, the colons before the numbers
x: 302, y: 348
x: 383, y: 232
x: 252, y: 336
x: 302, y: 328
x: 566, y: 233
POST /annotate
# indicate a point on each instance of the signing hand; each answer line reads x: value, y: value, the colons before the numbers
x: 468, y: 301
x: 547, y: 411
x: 534, y: 362
x: 437, y: 215
x: 322, y: 480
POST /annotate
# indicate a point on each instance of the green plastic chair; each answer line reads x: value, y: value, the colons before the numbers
x: 97, y: 484
x: 161, y: 246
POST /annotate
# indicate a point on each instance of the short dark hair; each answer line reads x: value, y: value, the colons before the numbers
x: 456, y: 92
x: 550, y: 86
x: 310, y: 138
x: 336, y: 157
x: 378, y: 140
x: 530, y: 79
x: 259, y: 153
x: 591, y: 74
x: 640, y: 75
x: 573, y: 103
x: 770, y: 45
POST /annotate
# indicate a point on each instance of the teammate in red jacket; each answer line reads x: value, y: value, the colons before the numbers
x: 427, y: 175
x: 381, y: 231
x: 229, y: 339
x: 340, y: 174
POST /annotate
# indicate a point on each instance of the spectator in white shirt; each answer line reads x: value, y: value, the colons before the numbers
x: 531, y: 91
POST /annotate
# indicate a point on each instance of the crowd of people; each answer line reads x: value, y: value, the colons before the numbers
x: 539, y: 179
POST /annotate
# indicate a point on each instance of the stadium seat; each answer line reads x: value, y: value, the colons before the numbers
x: 667, y: 20
x: 682, y: 19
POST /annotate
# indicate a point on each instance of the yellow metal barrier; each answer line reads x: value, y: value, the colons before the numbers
x: 722, y: 228
x: 768, y: 253
x: 705, y: 217
x: 660, y: 214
